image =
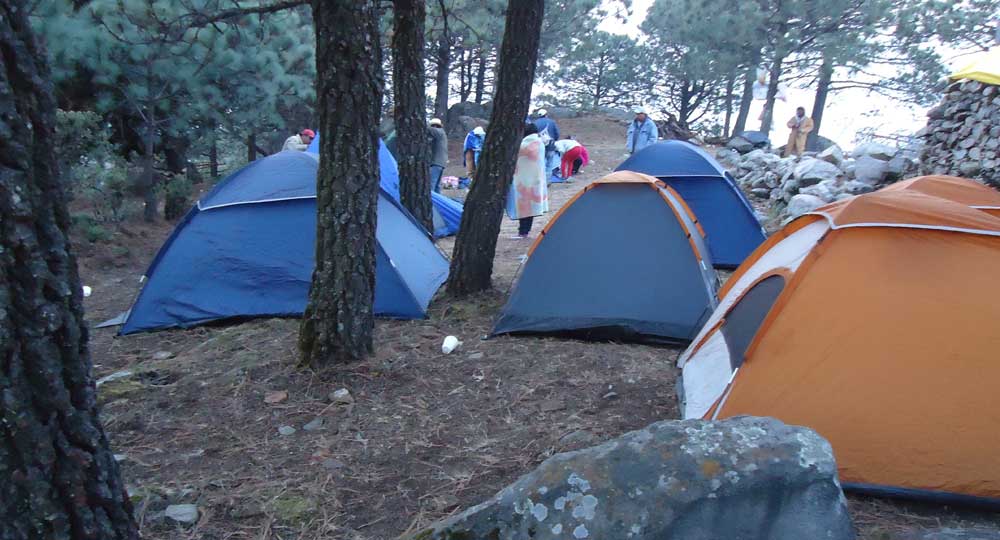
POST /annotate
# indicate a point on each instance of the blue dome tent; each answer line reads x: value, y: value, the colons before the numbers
x: 247, y: 249
x: 731, y: 228
x: 447, y: 211
x: 630, y: 263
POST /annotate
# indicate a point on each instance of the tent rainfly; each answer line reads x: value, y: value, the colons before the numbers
x: 868, y: 321
x: 731, y: 227
x: 623, y: 258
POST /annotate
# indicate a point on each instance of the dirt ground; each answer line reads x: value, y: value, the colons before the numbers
x: 422, y: 435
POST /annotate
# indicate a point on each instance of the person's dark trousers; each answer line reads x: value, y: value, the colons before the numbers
x: 436, y: 172
x: 524, y: 225
x: 577, y: 163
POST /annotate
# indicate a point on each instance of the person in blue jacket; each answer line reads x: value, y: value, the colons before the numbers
x: 642, y: 132
x: 470, y: 154
x: 549, y: 132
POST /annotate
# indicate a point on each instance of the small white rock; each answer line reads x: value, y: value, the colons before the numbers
x: 182, y: 513
x: 162, y: 355
x: 342, y: 396
x: 286, y: 430
x: 316, y: 423
x: 87, y: 291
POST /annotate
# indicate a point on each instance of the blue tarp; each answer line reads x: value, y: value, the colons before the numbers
x: 447, y: 211
x: 248, y: 250
x: 731, y: 227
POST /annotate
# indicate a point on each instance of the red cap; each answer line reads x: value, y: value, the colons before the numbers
x: 308, y: 133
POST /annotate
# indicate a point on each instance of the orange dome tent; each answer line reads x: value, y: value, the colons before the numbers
x: 872, y: 320
x: 960, y: 190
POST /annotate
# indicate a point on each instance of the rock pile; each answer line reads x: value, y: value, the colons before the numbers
x: 962, y: 137
x: 746, y: 477
x: 799, y: 185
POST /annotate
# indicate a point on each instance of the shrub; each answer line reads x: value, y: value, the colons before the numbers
x: 177, y: 192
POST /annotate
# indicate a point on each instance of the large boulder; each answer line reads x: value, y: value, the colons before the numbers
x: 875, y: 150
x: 740, y: 144
x: 760, y: 159
x: 748, y: 478
x: 826, y: 190
x: 802, y: 203
x: 870, y: 171
x: 465, y: 124
x: 562, y: 112
x: 811, y: 171
x: 833, y: 155
x: 467, y: 109
x: 614, y: 113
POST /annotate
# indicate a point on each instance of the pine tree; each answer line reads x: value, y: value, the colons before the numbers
x: 409, y: 93
x: 339, y: 320
x: 58, y: 476
x: 472, y: 261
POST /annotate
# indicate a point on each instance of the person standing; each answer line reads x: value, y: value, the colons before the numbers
x: 300, y: 141
x: 801, y: 125
x: 548, y: 130
x: 470, y: 152
x: 574, y: 157
x: 642, y: 132
x: 528, y: 196
x: 438, y: 140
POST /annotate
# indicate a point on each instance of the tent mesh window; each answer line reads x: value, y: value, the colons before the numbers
x: 745, y: 318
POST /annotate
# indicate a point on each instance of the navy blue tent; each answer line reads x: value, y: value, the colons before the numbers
x: 623, y: 259
x: 731, y: 227
x: 247, y: 249
x: 447, y: 211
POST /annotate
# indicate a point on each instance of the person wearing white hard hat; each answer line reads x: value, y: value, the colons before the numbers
x: 642, y: 132
x: 548, y: 131
x: 438, y: 141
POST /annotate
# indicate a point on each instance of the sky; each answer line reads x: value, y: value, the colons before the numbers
x: 846, y: 112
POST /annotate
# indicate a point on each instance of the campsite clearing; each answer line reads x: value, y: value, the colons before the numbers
x: 426, y: 433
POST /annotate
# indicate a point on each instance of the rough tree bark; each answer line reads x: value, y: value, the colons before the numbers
x: 339, y: 321
x: 443, y: 66
x: 409, y: 96
x: 251, y: 147
x: 472, y: 261
x: 148, y: 181
x: 58, y: 476
x: 774, y: 77
x: 819, y: 104
x: 746, y: 99
x: 480, y: 76
x: 730, y: 86
x: 213, y: 160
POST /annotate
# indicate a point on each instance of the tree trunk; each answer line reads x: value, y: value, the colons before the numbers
x: 411, y: 128
x: 772, y: 91
x: 466, y: 79
x: 444, y: 65
x: 338, y: 322
x: 730, y: 86
x: 481, y: 76
x: 213, y: 159
x: 58, y: 475
x: 175, y: 154
x: 746, y: 99
x: 472, y: 261
x: 148, y: 183
x: 251, y: 147
x: 819, y: 104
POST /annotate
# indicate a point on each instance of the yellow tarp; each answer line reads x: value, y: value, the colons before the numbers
x: 986, y: 68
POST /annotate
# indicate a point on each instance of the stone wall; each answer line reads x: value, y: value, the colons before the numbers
x: 962, y: 137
